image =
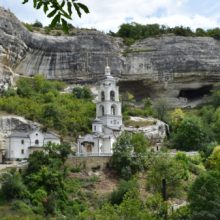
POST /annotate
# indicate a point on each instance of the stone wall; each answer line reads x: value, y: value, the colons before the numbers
x: 89, y: 163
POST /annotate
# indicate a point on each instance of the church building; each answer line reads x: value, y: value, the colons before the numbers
x: 21, y: 144
x: 108, y: 123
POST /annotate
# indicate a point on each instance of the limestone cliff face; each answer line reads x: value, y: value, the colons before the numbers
x: 77, y: 58
x: 180, y: 68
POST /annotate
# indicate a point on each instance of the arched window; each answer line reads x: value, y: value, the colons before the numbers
x: 102, y: 96
x: 101, y: 110
x: 36, y: 142
x: 112, y: 96
x: 113, y: 112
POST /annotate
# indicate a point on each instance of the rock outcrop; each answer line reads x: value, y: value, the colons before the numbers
x: 10, y: 124
x: 154, y: 129
x: 183, y: 69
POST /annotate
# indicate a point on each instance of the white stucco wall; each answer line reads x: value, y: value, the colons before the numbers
x: 55, y: 141
x: 18, y: 147
x: 15, y: 148
x: 37, y: 136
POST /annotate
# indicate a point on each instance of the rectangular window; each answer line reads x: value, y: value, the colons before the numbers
x: 22, y: 141
x: 22, y: 151
x: 95, y: 128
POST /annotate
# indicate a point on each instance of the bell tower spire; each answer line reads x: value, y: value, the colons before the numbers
x: 108, y: 107
x: 107, y: 69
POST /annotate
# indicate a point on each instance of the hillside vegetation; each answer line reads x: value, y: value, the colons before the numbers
x: 131, y: 32
x: 147, y: 184
x: 43, y: 101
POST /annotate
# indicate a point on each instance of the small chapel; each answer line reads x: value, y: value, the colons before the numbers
x: 107, y: 125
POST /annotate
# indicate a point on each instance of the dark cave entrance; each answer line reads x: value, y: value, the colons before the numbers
x: 195, y: 94
x: 137, y: 88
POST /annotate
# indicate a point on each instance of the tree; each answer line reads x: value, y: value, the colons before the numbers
x: 60, y: 11
x: 124, y: 187
x: 130, y: 153
x: 170, y: 169
x: 82, y: 93
x: 13, y: 186
x: 214, y: 159
x: 176, y: 117
x: 190, y: 135
x: 37, y: 24
x: 160, y: 108
x: 204, y: 196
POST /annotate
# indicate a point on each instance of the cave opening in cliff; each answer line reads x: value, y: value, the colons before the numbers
x: 195, y: 94
x: 137, y: 88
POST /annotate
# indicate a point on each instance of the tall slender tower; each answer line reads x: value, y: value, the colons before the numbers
x: 108, y: 107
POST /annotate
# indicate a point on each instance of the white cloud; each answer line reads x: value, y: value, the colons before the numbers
x: 108, y: 15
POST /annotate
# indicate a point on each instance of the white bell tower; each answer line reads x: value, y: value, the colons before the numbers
x: 108, y: 107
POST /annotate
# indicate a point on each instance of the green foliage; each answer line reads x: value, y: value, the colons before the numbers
x: 190, y: 135
x: 44, y: 187
x: 160, y: 109
x: 28, y: 26
x: 117, y: 195
x: 204, y: 196
x: 40, y: 100
x: 176, y: 117
x: 21, y: 207
x: 182, y: 213
x: 130, y: 153
x: 213, y: 161
x: 133, y: 207
x: 131, y: 32
x: 59, y: 11
x: 170, y: 169
x: 37, y: 24
x: 12, y: 186
x: 156, y: 205
x: 82, y: 93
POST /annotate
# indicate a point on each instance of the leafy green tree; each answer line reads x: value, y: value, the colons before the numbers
x: 215, y: 97
x: 82, y: 93
x: 37, y: 24
x: 190, y: 135
x: 130, y: 153
x: 132, y: 207
x: 160, y: 108
x: 156, y: 206
x: 204, y: 196
x: 213, y: 161
x: 117, y: 195
x: 60, y: 11
x: 12, y: 186
x: 170, y: 169
x: 200, y: 32
x: 176, y: 117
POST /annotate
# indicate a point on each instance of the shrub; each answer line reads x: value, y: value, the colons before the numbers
x: 124, y: 187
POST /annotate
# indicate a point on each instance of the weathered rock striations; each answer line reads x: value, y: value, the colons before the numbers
x: 180, y: 68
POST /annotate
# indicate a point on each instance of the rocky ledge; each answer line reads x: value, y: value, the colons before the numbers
x: 183, y: 69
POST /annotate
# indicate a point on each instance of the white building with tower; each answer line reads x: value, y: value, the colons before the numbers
x: 108, y: 123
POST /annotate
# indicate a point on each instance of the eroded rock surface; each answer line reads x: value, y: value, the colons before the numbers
x: 154, y: 129
x: 183, y: 69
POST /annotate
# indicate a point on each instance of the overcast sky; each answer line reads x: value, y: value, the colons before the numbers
x: 108, y: 15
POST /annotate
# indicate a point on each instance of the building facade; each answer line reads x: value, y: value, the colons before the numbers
x: 21, y: 144
x: 108, y: 123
